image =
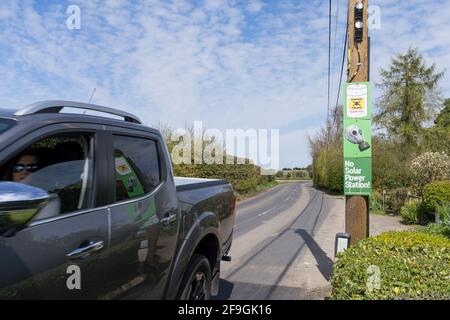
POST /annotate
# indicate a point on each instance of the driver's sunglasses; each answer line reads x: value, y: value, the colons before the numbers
x: 32, y: 167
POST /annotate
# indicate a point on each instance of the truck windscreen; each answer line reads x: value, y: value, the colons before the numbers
x: 6, y: 124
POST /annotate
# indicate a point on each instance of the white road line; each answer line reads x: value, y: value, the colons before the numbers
x: 265, y: 212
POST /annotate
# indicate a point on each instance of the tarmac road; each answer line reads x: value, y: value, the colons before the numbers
x: 275, y: 253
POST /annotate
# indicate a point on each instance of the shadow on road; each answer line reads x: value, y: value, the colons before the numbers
x: 325, y: 264
x: 226, y: 288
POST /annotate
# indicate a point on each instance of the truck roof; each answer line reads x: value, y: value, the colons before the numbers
x: 55, y: 111
x: 7, y: 113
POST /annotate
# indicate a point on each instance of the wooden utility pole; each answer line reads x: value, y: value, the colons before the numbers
x: 357, y: 207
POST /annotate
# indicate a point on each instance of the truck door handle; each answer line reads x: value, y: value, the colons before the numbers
x: 83, y: 252
x: 169, y: 219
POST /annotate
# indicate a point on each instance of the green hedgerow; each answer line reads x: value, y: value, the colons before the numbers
x: 413, y: 212
x: 436, y: 193
x: 376, y: 201
x: 440, y: 229
x: 412, y: 265
x: 443, y: 213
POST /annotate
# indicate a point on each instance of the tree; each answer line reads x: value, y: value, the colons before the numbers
x: 429, y: 167
x: 388, y: 169
x: 409, y: 99
x: 326, y: 151
x: 437, y: 137
x: 443, y: 119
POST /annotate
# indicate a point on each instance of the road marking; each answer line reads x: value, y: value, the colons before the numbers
x: 265, y: 212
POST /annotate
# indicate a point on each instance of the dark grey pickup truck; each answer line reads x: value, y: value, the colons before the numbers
x: 89, y: 209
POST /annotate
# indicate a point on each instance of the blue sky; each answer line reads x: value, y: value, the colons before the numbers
x: 232, y: 64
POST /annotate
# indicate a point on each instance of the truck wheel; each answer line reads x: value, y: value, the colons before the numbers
x: 196, y: 283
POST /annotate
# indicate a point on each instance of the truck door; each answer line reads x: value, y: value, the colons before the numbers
x: 144, y: 216
x: 69, y: 237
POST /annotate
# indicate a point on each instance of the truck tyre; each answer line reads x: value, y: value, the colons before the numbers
x: 196, y: 284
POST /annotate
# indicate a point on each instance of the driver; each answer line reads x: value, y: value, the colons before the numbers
x: 25, y: 166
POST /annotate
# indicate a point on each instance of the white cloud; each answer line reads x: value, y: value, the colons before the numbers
x: 175, y: 62
x: 255, y: 6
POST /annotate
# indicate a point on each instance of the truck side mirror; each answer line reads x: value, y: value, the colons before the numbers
x: 19, y: 204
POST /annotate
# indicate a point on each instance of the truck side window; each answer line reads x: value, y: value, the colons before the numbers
x: 136, y: 167
x: 62, y: 165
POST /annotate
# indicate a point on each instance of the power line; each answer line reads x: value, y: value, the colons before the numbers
x: 329, y: 60
x: 343, y: 63
x: 336, y: 23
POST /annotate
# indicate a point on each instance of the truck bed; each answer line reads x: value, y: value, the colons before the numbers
x: 184, y: 184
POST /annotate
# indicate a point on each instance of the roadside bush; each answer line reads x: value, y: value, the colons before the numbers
x: 429, y: 167
x: 413, y: 212
x: 245, y: 178
x: 376, y: 201
x: 436, y: 193
x: 389, y: 168
x: 397, y: 199
x: 439, y: 229
x: 328, y: 170
x: 443, y: 212
x: 412, y: 265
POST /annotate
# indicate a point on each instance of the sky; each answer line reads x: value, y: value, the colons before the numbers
x: 231, y: 64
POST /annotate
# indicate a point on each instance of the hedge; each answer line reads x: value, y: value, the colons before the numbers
x: 245, y: 178
x: 413, y: 212
x: 436, y: 193
x: 328, y: 169
x: 413, y: 265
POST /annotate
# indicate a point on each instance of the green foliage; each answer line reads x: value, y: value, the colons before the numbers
x: 409, y: 97
x: 376, y: 201
x: 396, y: 199
x: 389, y: 169
x: 443, y: 213
x: 329, y: 169
x: 443, y: 118
x: 413, y: 212
x: 245, y: 178
x: 326, y: 151
x: 429, y: 167
x: 437, y: 137
x: 413, y: 265
x: 436, y: 193
x: 438, y: 229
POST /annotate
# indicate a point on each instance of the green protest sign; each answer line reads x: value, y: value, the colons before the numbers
x: 357, y: 139
x: 358, y: 176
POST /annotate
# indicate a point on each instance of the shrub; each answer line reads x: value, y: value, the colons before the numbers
x: 413, y: 212
x: 412, y: 265
x: 328, y: 169
x: 436, y: 193
x: 397, y: 199
x: 376, y: 201
x: 389, y: 168
x: 443, y: 212
x: 429, y: 167
x: 439, y: 229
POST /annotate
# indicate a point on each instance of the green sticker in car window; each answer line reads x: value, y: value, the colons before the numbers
x: 127, y: 178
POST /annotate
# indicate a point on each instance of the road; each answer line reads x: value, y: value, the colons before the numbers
x: 282, y: 249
